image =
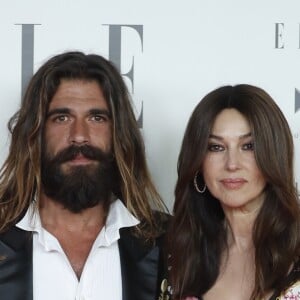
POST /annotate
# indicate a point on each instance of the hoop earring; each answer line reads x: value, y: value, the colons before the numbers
x: 201, y: 191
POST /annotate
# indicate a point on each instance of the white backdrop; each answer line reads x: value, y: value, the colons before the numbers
x: 186, y: 49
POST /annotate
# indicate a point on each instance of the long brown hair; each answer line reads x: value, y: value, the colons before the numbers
x: 20, y: 175
x: 197, y: 235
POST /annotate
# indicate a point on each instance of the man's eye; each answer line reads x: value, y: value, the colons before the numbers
x: 248, y: 146
x: 215, y: 148
x: 60, y: 118
x: 99, y: 118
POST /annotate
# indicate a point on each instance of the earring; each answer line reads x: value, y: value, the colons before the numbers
x: 201, y: 191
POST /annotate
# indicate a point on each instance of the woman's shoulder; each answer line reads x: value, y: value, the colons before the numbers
x: 291, y: 293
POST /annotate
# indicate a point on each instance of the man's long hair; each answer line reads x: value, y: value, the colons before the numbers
x: 20, y: 177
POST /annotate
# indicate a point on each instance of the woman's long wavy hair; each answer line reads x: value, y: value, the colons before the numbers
x: 20, y: 178
x: 197, y: 234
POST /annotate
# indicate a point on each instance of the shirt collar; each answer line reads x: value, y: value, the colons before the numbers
x: 31, y: 220
x: 118, y: 217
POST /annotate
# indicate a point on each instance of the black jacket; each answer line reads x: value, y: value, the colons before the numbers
x: 142, y: 266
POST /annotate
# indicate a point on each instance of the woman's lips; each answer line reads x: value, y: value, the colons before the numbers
x: 233, y: 183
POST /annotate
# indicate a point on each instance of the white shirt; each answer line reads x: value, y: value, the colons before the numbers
x: 53, y: 276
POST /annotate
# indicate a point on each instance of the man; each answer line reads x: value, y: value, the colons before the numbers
x: 77, y: 201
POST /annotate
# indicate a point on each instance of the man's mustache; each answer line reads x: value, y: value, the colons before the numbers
x: 87, y: 151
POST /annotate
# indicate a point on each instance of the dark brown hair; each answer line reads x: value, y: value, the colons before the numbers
x: 20, y: 175
x: 197, y: 235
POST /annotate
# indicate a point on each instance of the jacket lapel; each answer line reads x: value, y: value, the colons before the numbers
x: 16, y: 265
x: 141, y: 267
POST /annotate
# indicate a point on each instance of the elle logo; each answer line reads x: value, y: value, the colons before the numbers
x: 115, y: 32
x: 280, y: 44
x: 280, y: 36
x: 297, y: 100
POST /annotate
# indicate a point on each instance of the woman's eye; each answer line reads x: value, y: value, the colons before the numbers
x: 215, y: 148
x: 248, y: 146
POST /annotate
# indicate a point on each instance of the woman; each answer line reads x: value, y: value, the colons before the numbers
x: 236, y: 227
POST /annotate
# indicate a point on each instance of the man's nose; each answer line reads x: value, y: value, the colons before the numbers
x: 79, y: 132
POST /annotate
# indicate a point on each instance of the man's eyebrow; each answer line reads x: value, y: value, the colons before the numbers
x: 217, y: 137
x: 55, y: 111
x: 98, y: 111
x: 64, y: 110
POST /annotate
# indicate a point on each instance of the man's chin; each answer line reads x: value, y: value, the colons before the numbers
x: 75, y: 209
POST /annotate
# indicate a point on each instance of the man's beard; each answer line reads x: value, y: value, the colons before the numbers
x: 81, y: 186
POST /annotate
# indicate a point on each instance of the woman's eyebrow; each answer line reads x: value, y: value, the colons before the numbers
x: 217, y: 137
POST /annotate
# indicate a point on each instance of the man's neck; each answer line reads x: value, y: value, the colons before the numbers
x: 76, y: 232
x: 54, y: 216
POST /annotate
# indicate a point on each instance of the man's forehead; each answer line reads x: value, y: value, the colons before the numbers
x: 78, y: 92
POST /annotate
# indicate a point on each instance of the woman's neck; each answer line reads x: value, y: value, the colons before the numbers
x: 239, y: 224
